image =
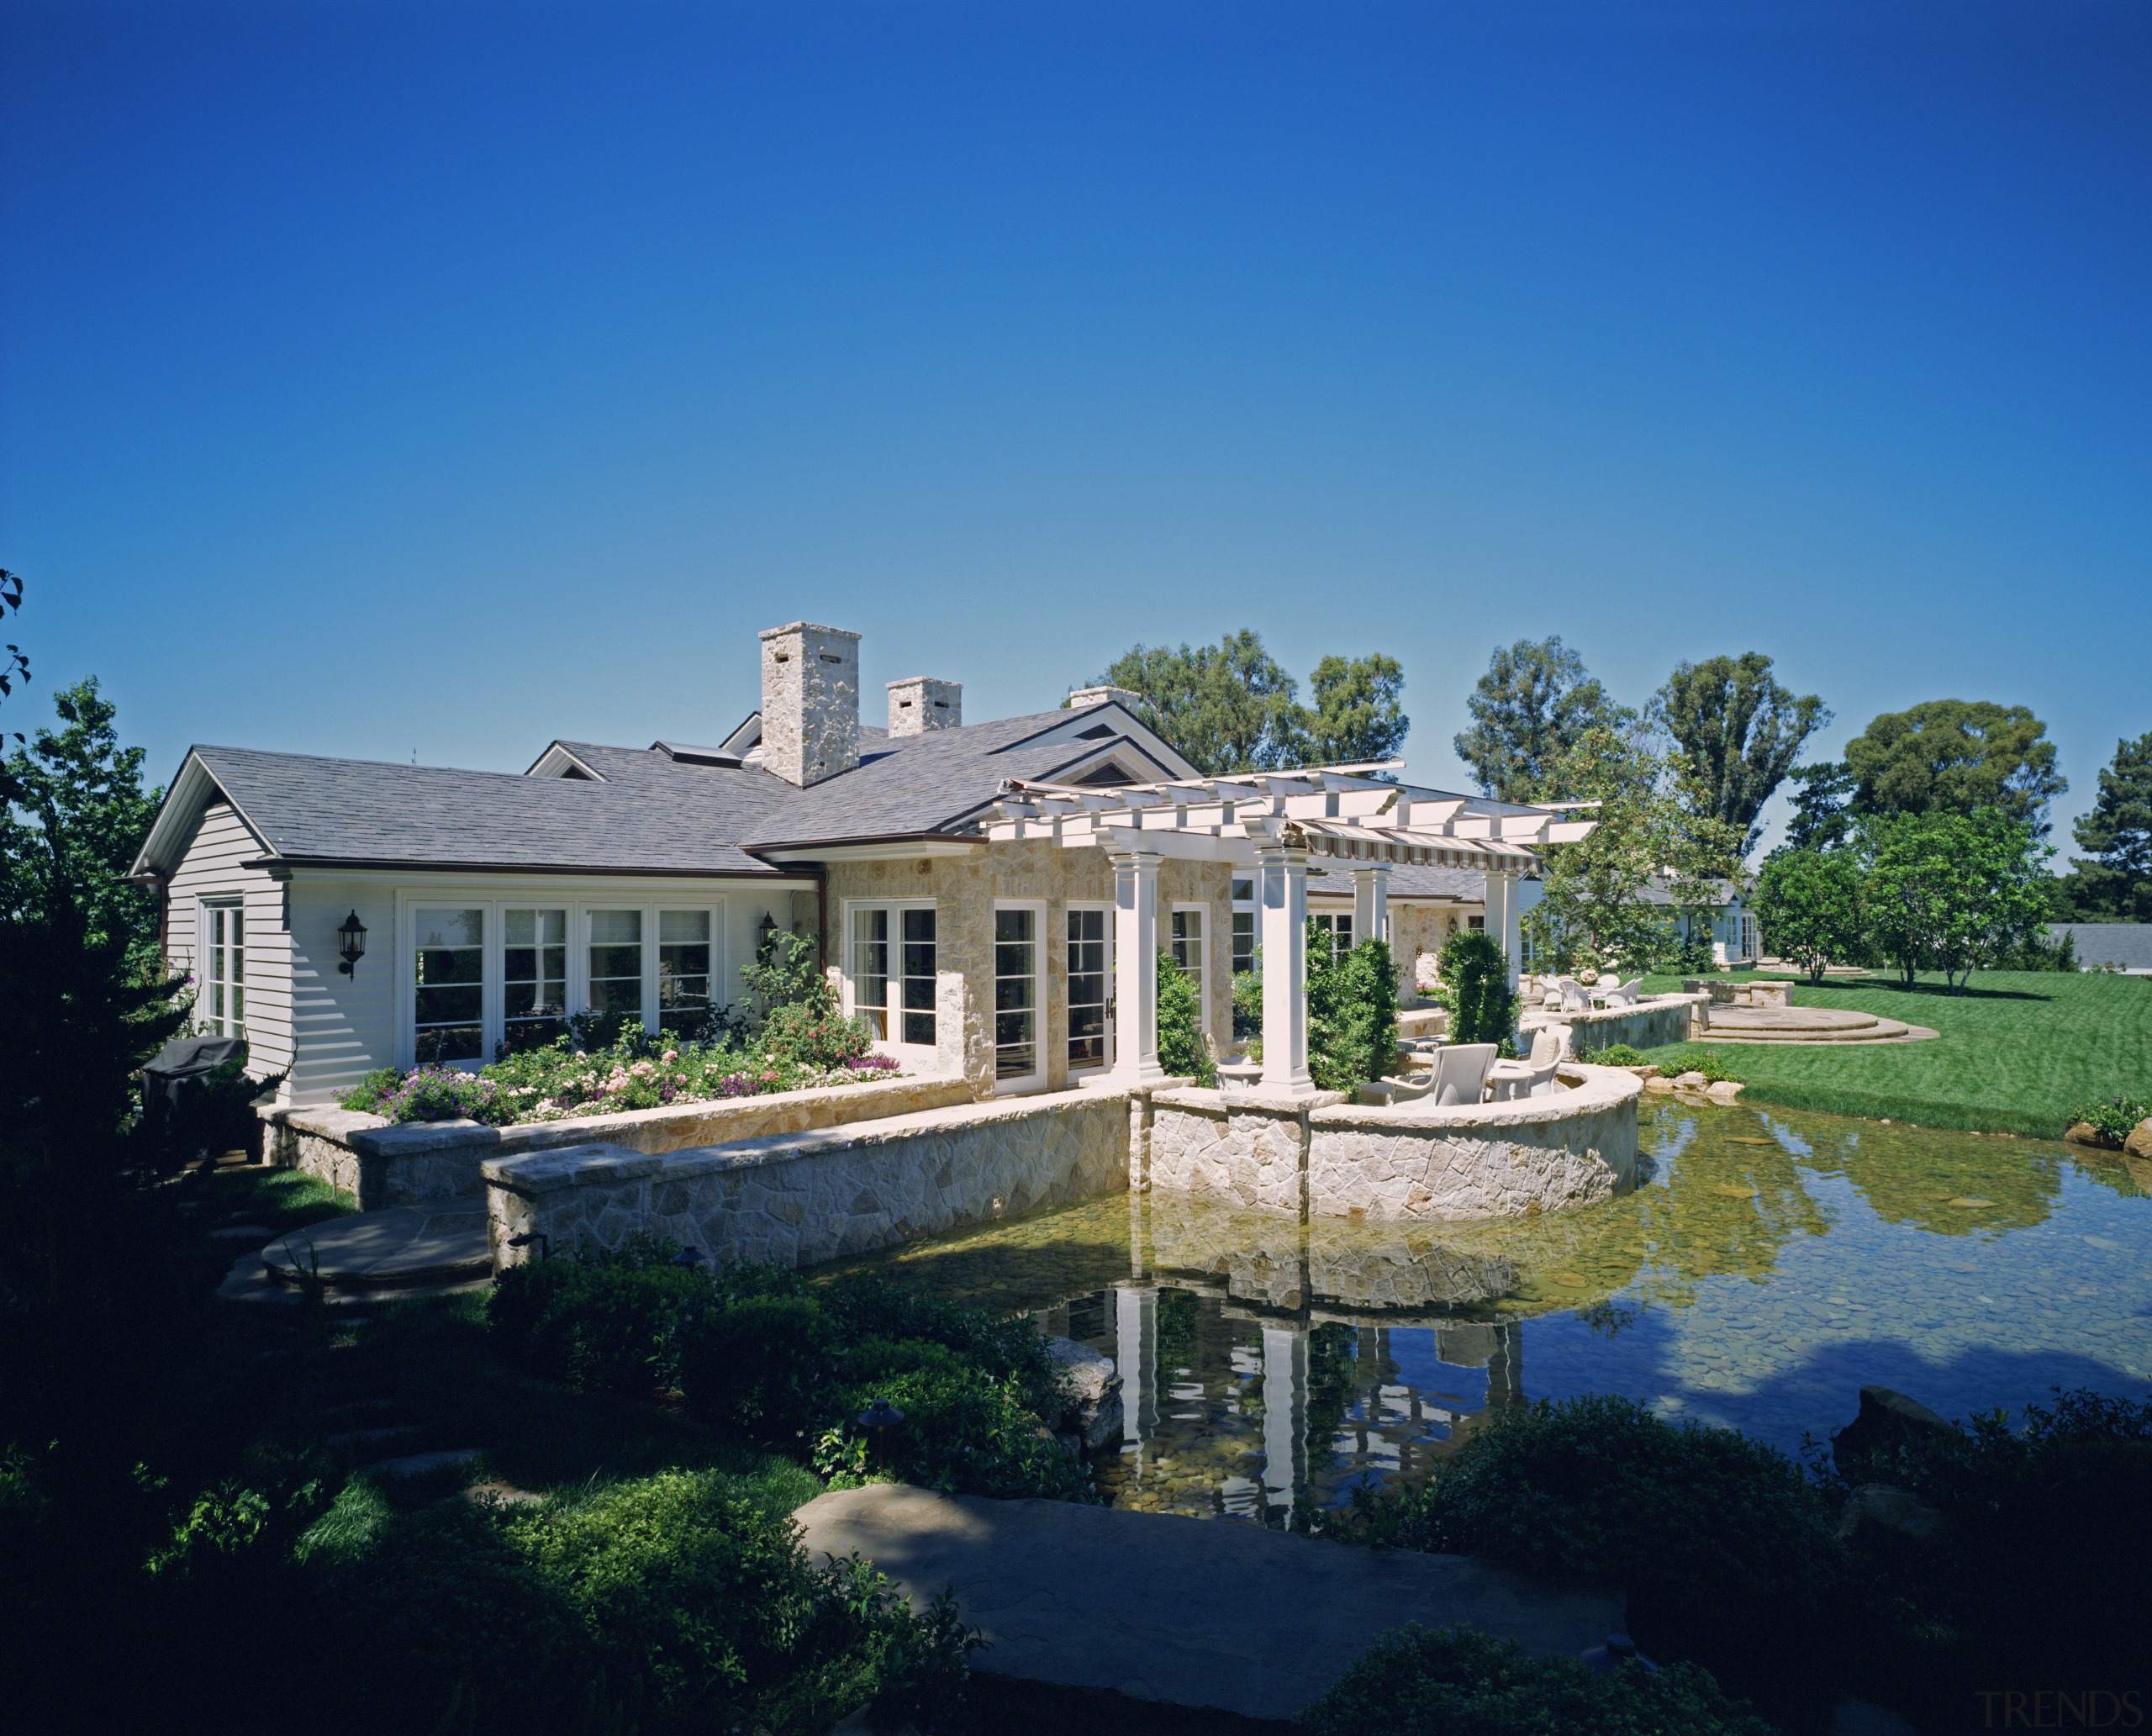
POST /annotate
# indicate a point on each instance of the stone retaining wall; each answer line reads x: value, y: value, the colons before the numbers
x: 1652, y: 1024
x: 796, y: 1199
x: 1320, y: 1157
x: 384, y: 1164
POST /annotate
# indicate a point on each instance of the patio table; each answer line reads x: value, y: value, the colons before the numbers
x: 1503, y: 1079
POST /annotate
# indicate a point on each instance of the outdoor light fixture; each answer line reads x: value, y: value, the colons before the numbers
x: 543, y: 1242
x: 765, y: 928
x: 352, y: 944
x: 878, y: 1416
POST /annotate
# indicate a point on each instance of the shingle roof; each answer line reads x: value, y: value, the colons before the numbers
x: 2128, y: 946
x: 643, y: 810
x: 310, y: 808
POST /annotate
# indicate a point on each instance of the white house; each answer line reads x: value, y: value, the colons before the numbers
x: 983, y: 893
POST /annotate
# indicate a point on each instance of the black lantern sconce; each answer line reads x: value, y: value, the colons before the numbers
x: 764, y: 930
x: 350, y: 944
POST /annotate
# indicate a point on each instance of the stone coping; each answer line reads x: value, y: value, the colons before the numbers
x: 673, y: 1124
x: 1602, y: 1014
x: 600, y: 1164
x: 1590, y: 1089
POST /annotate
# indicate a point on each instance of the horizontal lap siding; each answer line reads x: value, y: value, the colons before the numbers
x: 345, y: 1025
x: 211, y: 869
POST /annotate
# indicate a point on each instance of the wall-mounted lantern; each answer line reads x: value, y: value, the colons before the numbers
x: 352, y: 944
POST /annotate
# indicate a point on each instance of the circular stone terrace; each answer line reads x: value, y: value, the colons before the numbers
x: 1806, y: 1024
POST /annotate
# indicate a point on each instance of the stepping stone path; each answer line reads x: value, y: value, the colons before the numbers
x: 1201, y: 1613
x: 418, y: 1464
x: 408, y: 1250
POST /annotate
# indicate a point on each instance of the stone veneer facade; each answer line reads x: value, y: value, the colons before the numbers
x: 1320, y: 1157
x: 964, y: 889
x: 796, y: 1199
x: 380, y: 1164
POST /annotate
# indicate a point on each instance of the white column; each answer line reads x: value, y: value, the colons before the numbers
x: 1135, y: 968
x: 1371, y: 903
x: 1284, y: 1411
x: 1503, y: 916
x: 1285, y: 895
x: 1135, y: 1342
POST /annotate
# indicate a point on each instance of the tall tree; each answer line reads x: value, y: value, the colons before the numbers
x: 1741, y: 731
x: 1360, y: 715
x: 1822, y: 791
x: 2116, y: 884
x: 1810, y: 904
x: 1596, y: 904
x: 1948, y: 891
x: 1534, y: 703
x: 1229, y: 707
x: 1954, y: 756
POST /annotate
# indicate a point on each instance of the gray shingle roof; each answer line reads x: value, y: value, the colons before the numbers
x: 643, y: 810
x: 2128, y: 946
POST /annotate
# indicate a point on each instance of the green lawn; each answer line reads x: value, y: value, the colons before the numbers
x: 2019, y: 1051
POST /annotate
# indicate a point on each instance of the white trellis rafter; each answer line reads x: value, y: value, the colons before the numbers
x: 1276, y: 822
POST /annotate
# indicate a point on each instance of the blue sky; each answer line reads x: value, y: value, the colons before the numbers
x: 381, y: 379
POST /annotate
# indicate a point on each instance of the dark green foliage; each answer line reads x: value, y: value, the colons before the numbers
x: 1692, y: 955
x: 1949, y: 891
x: 965, y: 1430
x: 1181, y: 1049
x: 2047, y: 1528
x: 1617, y: 1054
x: 1452, y: 1682
x: 1534, y: 706
x: 1955, y: 757
x: 1810, y: 902
x: 1228, y: 707
x: 1476, y: 977
x: 1724, y: 1548
x: 2036, y: 949
x: 2115, y: 1117
x: 1820, y: 820
x: 1741, y: 731
x: 1358, y: 715
x: 1707, y: 1062
x: 1247, y: 1005
x: 1007, y: 1346
x: 2115, y: 884
x: 815, y: 1034
x: 760, y: 1366
x: 1352, y: 1013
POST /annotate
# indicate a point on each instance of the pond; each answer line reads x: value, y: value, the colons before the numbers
x: 1767, y: 1266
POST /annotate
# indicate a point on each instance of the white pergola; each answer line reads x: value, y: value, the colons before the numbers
x: 1275, y: 823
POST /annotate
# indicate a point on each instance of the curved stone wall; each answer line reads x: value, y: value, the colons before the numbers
x: 1408, y: 1161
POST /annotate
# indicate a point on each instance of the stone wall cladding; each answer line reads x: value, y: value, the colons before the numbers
x: 795, y: 1200
x: 964, y: 889
x: 1231, y: 1147
x: 1662, y: 1019
x: 1493, y: 1160
x: 380, y: 1163
x: 810, y: 702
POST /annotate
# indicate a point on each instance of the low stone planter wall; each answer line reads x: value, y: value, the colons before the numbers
x: 384, y: 1164
x: 1650, y: 1024
x: 796, y: 1199
x: 1319, y: 1158
x: 1408, y: 1161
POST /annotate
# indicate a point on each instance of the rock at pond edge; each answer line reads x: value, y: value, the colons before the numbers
x: 2139, y: 1143
x: 2085, y: 1133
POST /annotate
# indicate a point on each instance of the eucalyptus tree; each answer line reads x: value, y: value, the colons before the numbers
x: 1740, y: 731
x: 1534, y: 704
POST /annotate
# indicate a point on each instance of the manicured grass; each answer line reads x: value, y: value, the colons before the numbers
x: 2019, y: 1051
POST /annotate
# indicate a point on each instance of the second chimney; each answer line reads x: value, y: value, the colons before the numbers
x: 810, y: 702
x: 920, y: 702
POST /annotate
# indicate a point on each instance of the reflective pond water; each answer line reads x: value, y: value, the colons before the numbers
x: 1767, y: 1266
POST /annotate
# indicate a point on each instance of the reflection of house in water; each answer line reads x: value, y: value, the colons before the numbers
x: 1259, y: 1368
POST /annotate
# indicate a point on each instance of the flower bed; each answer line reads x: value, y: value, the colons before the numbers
x: 557, y: 1082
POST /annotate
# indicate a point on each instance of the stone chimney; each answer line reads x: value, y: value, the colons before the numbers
x: 920, y: 702
x: 810, y: 702
x: 1079, y: 698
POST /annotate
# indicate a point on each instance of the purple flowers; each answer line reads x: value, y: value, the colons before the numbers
x: 872, y: 1064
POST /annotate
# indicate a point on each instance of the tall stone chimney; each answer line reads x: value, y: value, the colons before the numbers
x: 810, y: 702
x: 920, y: 702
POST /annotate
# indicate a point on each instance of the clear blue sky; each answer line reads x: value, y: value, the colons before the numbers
x: 447, y: 378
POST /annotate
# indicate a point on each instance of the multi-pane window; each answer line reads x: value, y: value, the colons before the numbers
x: 682, y: 970
x: 616, y: 962
x: 1338, y: 926
x: 1477, y: 924
x: 448, y: 1009
x: 1188, y: 952
x: 1090, y: 982
x: 534, y: 978
x: 1015, y: 993
x: 893, y: 972
x: 1243, y: 925
x: 224, y: 960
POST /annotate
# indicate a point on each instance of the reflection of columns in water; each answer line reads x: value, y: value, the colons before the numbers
x: 1136, y: 1341
x: 1284, y: 1413
x: 1498, y: 1347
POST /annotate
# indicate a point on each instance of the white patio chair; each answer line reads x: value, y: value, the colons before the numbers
x: 1628, y: 994
x: 1461, y: 1076
x: 1547, y: 1047
x: 1575, y: 997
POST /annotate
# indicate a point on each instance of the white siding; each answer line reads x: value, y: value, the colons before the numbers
x: 210, y: 868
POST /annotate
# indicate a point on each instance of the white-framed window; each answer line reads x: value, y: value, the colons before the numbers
x: 448, y: 1002
x: 534, y: 976
x: 1090, y: 986
x: 1187, y: 942
x: 1244, y: 926
x: 1019, y: 961
x: 1477, y: 924
x: 222, y: 1000
x: 1338, y: 926
x: 482, y: 976
x: 889, y: 970
x: 1749, y: 948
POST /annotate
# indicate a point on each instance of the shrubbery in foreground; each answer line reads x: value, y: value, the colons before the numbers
x: 1452, y: 1682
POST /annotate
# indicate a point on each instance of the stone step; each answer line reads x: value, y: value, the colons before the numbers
x: 407, y: 1247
